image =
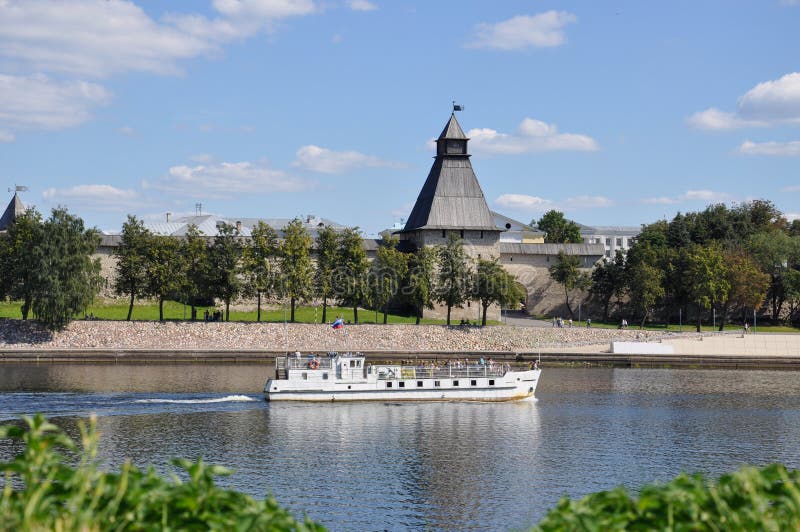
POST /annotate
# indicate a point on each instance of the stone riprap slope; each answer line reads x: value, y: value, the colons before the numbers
x: 118, y: 335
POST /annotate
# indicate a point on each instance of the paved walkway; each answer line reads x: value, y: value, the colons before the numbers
x: 520, y: 319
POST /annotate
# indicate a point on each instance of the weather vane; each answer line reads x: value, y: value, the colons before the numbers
x: 457, y: 107
x: 18, y: 188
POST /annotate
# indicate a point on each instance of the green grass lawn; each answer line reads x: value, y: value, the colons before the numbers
x: 148, y: 311
x: 686, y: 327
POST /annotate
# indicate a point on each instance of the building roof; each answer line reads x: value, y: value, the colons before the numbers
x: 514, y: 225
x: 209, y: 224
x: 513, y: 248
x: 611, y: 230
x: 13, y: 211
x: 451, y: 197
x: 452, y: 130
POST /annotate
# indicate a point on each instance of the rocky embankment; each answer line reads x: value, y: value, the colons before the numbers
x: 202, y: 336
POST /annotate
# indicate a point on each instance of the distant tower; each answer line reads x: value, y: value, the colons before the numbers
x: 451, y: 200
x: 14, y: 210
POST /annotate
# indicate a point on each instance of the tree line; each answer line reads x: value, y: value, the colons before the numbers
x: 297, y: 268
x: 721, y: 263
x: 48, y: 265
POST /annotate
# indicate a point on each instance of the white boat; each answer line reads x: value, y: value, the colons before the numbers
x: 347, y: 377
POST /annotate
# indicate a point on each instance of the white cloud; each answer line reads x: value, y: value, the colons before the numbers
x: 714, y: 119
x: 792, y: 188
x: 5, y: 136
x: 792, y: 216
x: 128, y: 131
x: 523, y: 202
x: 789, y: 2
x: 708, y: 196
x: 37, y: 102
x: 770, y: 148
x: 227, y: 179
x: 101, y: 38
x: 362, y: 5
x: 524, y: 31
x: 95, y: 197
x: 770, y: 103
x: 105, y: 37
x: 92, y: 37
x: 328, y: 161
x: 535, y: 204
x: 587, y: 202
x: 531, y: 136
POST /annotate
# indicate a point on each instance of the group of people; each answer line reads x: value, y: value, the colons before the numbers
x: 560, y: 323
x: 212, y: 316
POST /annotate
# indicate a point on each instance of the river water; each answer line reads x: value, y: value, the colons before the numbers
x: 399, y: 466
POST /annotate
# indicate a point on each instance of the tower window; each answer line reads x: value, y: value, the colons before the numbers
x: 444, y: 233
x: 481, y: 234
x: 462, y: 233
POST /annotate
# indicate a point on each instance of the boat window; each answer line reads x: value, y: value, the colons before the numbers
x: 402, y: 384
x: 325, y: 376
x: 352, y: 363
x: 455, y: 383
x: 305, y: 376
x: 491, y: 382
x: 436, y: 383
x: 388, y: 384
x: 419, y: 384
x: 473, y: 382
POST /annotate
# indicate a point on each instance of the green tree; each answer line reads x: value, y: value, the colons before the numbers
x: 66, y: 278
x: 259, y: 263
x: 748, y: 285
x: 608, y: 281
x: 707, y: 277
x: 644, y: 288
x: 165, y: 269
x: 493, y: 284
x: 20, y: 259
x: 559, y: 230
x: 353, y: 268
x: 774, y: 251
x: 194, y: 250
x: 566, y: 272
x: 296, y: 269
x: 327, y: 260
x: 223, y: 266
x: 419, y: 287
x: 453, y: 279
x: 388, y: 270
x: 131, y: 255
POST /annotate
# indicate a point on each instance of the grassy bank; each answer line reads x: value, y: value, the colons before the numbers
x: 173, y: 311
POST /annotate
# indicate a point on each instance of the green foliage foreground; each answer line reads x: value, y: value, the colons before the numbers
x: 42, y: 492
x: 749, y: 499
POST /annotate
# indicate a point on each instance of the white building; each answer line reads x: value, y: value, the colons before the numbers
x: 612, y: 237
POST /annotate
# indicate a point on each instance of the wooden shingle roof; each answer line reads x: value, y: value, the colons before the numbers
x: 451, y: 197
x: 15, y: 209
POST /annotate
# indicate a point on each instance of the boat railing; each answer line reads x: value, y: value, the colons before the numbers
x: 444, y: 372
x: 291, y: 362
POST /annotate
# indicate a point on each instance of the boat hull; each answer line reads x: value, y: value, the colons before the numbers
x: 513, y: 386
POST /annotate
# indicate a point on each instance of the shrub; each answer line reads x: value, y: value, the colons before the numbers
x: 42, y: 491
x: 749, y: 499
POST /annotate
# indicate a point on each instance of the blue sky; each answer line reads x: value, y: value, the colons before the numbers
x: 616, y: 112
